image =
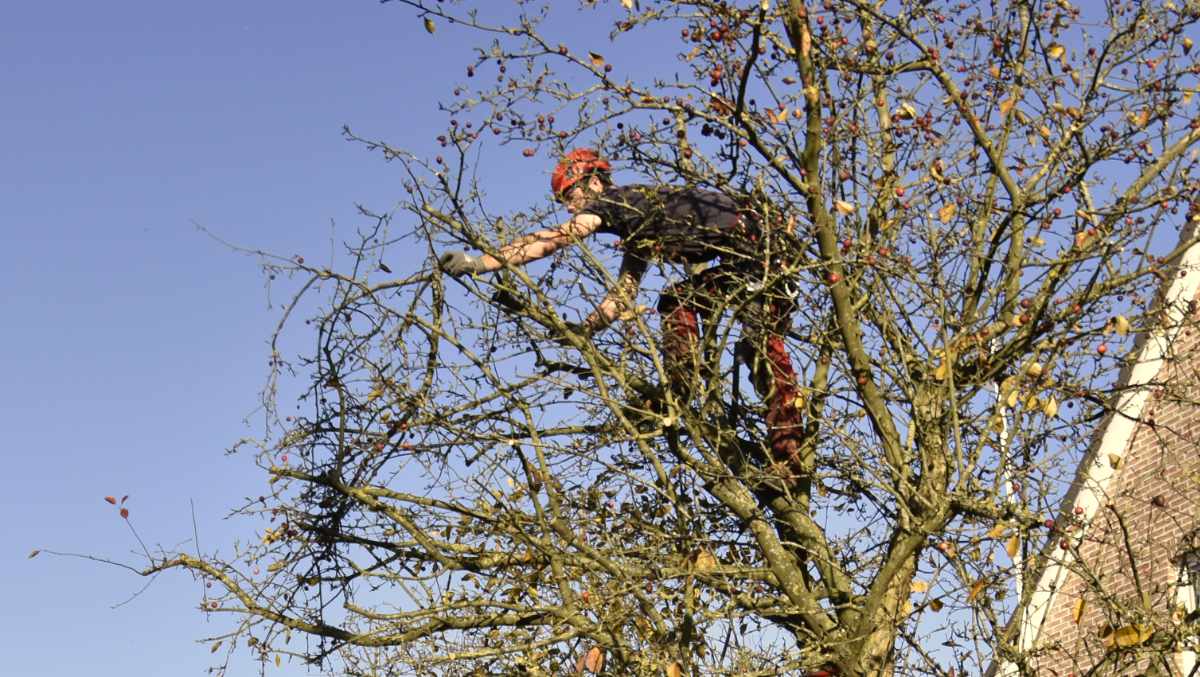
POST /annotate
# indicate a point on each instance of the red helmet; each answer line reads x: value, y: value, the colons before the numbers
x: 574, y: 166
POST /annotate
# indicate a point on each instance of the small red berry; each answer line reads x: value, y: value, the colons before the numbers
x: 833, y: 278
x: 1102, y: 348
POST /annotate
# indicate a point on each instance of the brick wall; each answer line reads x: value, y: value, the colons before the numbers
x: 1126, y: 561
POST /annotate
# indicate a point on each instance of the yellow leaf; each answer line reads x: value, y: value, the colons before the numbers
x: 278, y: 660
x: 1187, y: 45
x: 1013, y: 398
x: 946, y: 213
x: 1050, y: 408
x: 905, y: 112
x: 1141, y: 119
x: 430, y: 27
x: 215, y: 647
x: 997, y: 531
x: 1077, y: 610
x: 1044, y: 131
x: 1037, y: 241
x: 942, y: 371
x: 627, y: 4
x: 843, y: 207
x: 1114, y: 460
x: 705, y: 561
x: 1005, y: 106
x: 935, y: 170
x: 919, y: 586
x: 374, y: 394
x: 597, y: 60
x: 675, y: 669
x: 994, y: 70
x: 935, y: 605
x: 1055, y: 50
x: 976, y: 588
x: 1033, y: 369
x: 1127, y: 636
x: 1121, y: 325
x: 1012, y: 546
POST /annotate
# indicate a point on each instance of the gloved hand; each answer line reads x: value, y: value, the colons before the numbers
x: 461, y: 263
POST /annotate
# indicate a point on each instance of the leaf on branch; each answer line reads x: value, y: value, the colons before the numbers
x: 34, y: 553
x: 1120, y: 325
x: 947, y: 212
x: 1055, y: 50
x: 1077, y: 610
x: 705, y: 561
x: 597, y: 60
x: 976, y: 589
x: 935, y: 605
x: 1114, y: 460
x: 627, y: 4
x: 919, y: 586
x: 1012, y: 546
x: 592, y: 661
x: 1139, y: 120
x: 905, y: 112
x: 110, y: 500
x: 1050, y: 408
x: 216, y: 646
x: 278, y: 660
x: 843, y: 207
x: 997, y: 531
x: 1005, y: 106
x: 675, y: 669
x: 430, y: 27
x: 1127, y: 636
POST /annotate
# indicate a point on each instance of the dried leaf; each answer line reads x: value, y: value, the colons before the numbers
x: 1044, y: 131
x: 920, y: 586
x: 905, y: 112
x: 942, y: 371
x: 125, y: 513
x: 1012, y: 399
x: 34, y: 553
x: 675, y: 669
x: 1012, y: 546
x: 1114, y: 460
x: 705, y: 561
x: 597, y: 60
x: 843, y: 207
x: 1050, y: 408
x: 593, y: 662
x: 430, y: 27
x: 1077, y: 610
x: 110, y: 500
x: 1127, y: 636
x: 946, y: 213
x: 627, y: 4
x: 278, y: 660
x: 935, y: 605
x: 997, y: 531
x: 1055, y: 50
x: 1033, y: 369
x: 216, y: 646
x: 1121, y: 325
x: 976, y: 588
x: 1006, y: 105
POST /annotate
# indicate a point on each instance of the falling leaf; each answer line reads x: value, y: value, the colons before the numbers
x: 597, y: 60
x: 216, y: 645
x: 1114, y: 460
x: 34, y: 553
x: 976, y: 588
x: 843, y: 207
x: 1055, y: 50
x: 111, y: 500
x: 430, y: 27
x: 675, y: 669
x: 946, y: 213
x: 1012, y: 546
x: 935, y: 605
x: 1050, y: 408
x: 920, y: 586
x: 1121, y: 325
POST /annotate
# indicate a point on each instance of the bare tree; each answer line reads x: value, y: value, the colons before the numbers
x: 985, y: 196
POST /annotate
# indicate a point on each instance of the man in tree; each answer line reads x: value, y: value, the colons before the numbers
x: 684, y: 226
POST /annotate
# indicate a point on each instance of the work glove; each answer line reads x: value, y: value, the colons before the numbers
x: 458, y: 263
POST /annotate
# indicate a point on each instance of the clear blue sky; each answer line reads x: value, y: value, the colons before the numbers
x: 134, y: 346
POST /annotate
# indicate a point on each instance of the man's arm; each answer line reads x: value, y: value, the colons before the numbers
x: 540, y: 244
x: 621, y: 297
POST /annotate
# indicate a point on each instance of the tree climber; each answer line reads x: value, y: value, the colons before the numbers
x: 688, y: 226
